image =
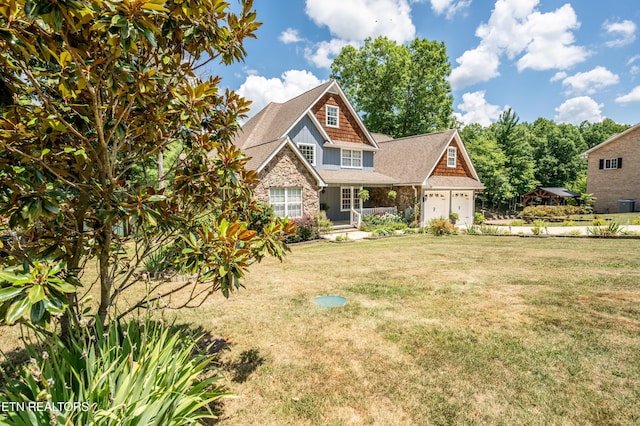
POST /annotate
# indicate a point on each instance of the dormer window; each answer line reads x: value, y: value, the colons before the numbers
x: 332, y: 115
x: 451, y: 156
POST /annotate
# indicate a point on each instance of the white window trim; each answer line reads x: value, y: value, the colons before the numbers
x: 337, y: 109
x: 286, y: 200
x: 313, y: 147
x: 613, y: 163
x: 452, y: 154
x: 354, y: 201
x: 343, y: 150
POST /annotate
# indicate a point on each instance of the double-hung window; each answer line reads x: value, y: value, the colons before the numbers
x: 332, y: 116
x: 286, y: 201
x: 451, y: 156
x: 308, y: 151
x: 351, y: 158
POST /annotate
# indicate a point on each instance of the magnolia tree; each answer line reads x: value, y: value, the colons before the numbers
x: 92, y: 93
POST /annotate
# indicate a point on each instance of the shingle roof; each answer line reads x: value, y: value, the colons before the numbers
x: 410, y: 160
x: 260, y: 153
x: 355, y: 177
x: 446, y: 182
x: 275, y: 119
x: 561, y: 192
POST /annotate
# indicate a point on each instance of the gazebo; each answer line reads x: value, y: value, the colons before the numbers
x: 549, y: 196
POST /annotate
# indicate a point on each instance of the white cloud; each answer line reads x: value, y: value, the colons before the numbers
x: 262, y: 90
x: 579, y: 109
x: 449, y: 8
x: 479, y: 64
x: 352, y: 21
x: 356, y: 20
x: 516, y: 28
x: 624, y: 32
x: 633, y: 96
x: 551, y: 45
x: 560, y: 75
x: 322, y: 54
x: 290, y: 35
x: 590, y: 82
x: 476, y: 109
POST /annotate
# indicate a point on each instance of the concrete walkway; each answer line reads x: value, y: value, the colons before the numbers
x: 354, y: 234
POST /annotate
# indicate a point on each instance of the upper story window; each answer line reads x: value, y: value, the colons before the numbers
x: 332, y: 115
x: 611, y: 163
x: 308, y: 151
x: 451, y: 156
x: 351, y: 158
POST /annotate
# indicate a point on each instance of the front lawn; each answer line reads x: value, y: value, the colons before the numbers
x: 451, y: 330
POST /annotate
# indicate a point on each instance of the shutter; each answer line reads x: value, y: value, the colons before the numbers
x: 619, y: 162
x: 601, y: 164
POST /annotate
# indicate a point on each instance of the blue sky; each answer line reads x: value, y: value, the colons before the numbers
x: 568, y: 61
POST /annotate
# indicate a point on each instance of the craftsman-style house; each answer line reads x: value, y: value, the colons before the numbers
x: 313, y: 152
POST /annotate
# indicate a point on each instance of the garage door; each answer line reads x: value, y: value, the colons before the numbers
x: 436, y: 204
x: 462, y: 203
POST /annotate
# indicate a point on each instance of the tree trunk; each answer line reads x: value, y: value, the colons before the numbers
x: 103, y: 270
x: 160, y: 170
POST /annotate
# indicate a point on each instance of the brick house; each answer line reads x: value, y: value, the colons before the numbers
x: 313, y: 152
x: 613, y: 172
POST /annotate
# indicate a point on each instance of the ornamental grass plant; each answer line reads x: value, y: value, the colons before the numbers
x: 137, y: 373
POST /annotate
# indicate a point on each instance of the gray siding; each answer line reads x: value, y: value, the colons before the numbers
x: 305, y: 132
x: 331, y: 197
x: 326, y: 158
x: 332, y: 160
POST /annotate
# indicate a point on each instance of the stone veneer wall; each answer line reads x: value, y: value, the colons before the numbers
x: 286, y: 170
x: 609, y: 186
x: 404, y: 197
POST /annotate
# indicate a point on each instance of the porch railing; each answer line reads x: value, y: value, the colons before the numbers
x: 356, y: 218
x: 378, y: 210
x: 356, y: 214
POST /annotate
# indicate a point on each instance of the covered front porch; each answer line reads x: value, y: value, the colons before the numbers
x: 345, y: 208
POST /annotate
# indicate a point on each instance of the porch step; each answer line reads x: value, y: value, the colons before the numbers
x: 344, y: 228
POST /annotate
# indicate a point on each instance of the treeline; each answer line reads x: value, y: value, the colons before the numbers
x: 513, y: 158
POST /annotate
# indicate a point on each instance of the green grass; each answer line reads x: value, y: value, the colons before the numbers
x: 453, y: 330
x: 450, y: 330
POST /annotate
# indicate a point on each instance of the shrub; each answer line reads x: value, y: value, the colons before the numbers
x: 306, y: 229
x: 472, y: 230
x: 568, y: 223
x: 478, y: 218
x: 610, y: 230
x: 598, y: 222
x: 324, y: 224
x: 442, y: 226
x: 261, y: 217
x: 125, y: 375
x: 537, y: 228
x: 496, y: 230
x: 165, y: 260
x: 370, y: 222
x: 517, y: 222
x: 636, y: 221
x: 551, y: 211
